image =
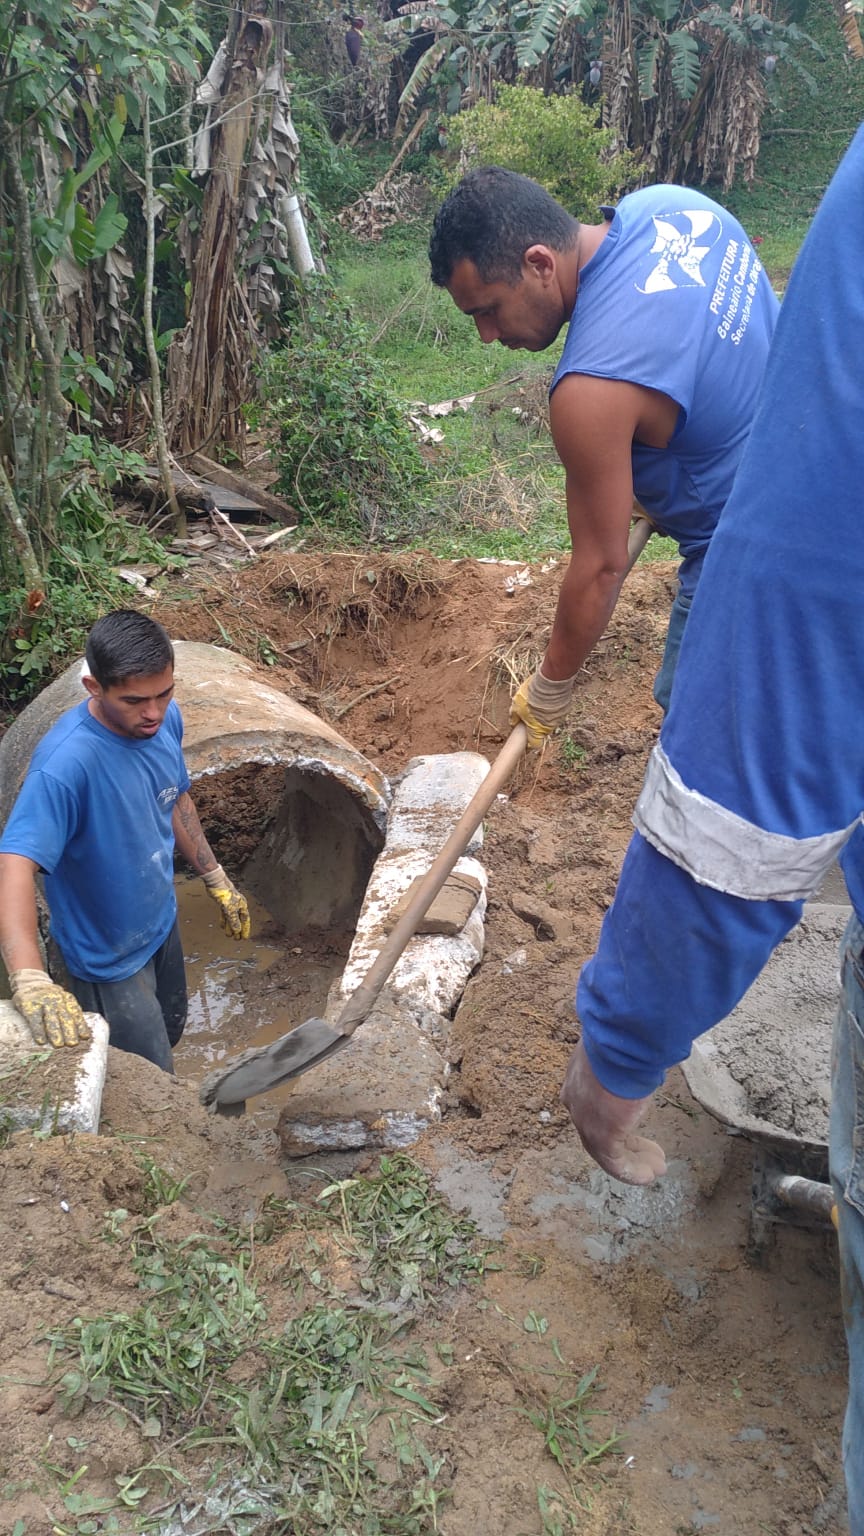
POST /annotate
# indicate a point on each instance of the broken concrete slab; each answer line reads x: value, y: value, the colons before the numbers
x: 51, y: 1090
x: 428, y: 799
x: 384, y: 1090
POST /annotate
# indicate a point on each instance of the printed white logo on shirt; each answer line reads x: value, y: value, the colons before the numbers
x: 682, y: 241
x: 168, y: 796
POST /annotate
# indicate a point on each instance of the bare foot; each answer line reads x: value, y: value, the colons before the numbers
x: 606, y: 1124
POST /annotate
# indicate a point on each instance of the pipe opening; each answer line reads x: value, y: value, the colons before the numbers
x: 301, y: 848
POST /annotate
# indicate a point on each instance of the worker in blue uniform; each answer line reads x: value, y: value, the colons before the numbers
x: 756, y: 785
x: 103, y: 807
x: 669, y: 318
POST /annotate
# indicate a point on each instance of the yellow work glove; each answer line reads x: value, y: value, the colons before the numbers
x: 541, y: 703
x: 233, y: 907
x: 52, y: 1015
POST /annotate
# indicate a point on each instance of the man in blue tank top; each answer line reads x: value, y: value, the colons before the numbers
x: 670, y: 320
x: 105, y: 801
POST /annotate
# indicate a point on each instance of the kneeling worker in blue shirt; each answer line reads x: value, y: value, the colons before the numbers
x: 104, y: 804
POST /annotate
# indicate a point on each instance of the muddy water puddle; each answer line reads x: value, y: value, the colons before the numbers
x: 248, y: 993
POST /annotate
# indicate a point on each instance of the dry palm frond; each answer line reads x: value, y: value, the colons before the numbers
x: 850, y: 26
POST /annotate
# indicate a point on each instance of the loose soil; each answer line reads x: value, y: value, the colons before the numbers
x: 724, y: 1371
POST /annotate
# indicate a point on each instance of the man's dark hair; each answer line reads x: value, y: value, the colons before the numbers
x: 127, y: 644
x: 491, y: 218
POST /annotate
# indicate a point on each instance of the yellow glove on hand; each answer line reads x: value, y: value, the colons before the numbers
x: 52, y: 1015
x: 541, y: 703
x: 233, y: 907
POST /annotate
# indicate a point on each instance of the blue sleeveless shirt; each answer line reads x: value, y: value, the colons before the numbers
x: 676, y: 299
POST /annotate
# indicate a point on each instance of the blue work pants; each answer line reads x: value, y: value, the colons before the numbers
x: 146, y: 1013
x: 674, y: 636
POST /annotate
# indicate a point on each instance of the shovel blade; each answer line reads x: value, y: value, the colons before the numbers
x: 266, y: 1066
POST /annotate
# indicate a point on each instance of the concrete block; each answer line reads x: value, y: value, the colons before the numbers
x: 383, y: 1090
x: 428, y: 799
x: 450, y: 909
x: 51, y: 1090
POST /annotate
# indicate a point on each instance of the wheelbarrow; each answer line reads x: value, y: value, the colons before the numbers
x: 765, y: 1073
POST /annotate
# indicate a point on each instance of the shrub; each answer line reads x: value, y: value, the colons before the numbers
x: 553, y: 139
x: 346, y: 454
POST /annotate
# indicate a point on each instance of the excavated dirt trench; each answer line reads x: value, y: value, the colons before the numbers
x: 726, y: 1378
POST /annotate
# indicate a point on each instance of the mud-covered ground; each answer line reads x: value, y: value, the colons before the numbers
x: 724, y: 1375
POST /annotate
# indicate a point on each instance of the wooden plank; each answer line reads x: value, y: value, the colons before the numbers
x: 231, y: 481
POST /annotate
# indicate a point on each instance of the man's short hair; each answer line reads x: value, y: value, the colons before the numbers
x: 491, y: 218
x: 127, y: 644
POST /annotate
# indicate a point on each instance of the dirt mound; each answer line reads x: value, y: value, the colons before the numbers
x: 405, y: 653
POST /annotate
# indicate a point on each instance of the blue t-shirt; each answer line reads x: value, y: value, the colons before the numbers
x: 95, y: 813
x: 676, y: 299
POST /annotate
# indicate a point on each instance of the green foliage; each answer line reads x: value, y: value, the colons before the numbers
x: 572, y: 754
x: 568, y: 1422
x: 410, y: 1237
x: 804, y: 136
x: 545, y: 23
x: 41, y: 631
x: 331, y: 175
x: 37, y: 645
x: 288, y: 1409
x: 160, y: 1187
x: 72, y: 81
x: 686, y: 67
x: 346, y: 455
x: 554, y: 139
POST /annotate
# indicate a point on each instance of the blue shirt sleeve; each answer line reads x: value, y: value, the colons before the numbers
x: 42, y: 821
x: 174, y: 721
x: 673, y: 959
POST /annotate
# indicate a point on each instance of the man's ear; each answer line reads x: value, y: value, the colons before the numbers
x: 93, y: 688
x: 542, y: 261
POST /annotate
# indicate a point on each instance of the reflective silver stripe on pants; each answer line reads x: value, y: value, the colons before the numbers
x: 720, y: 849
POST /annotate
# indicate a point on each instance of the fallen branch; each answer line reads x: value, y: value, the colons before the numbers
x: 231, y: 481
x: 406, y: 145
x: 343, y: 709
x: 226, y: 530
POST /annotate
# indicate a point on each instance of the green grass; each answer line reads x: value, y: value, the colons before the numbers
x: 273, y: 1425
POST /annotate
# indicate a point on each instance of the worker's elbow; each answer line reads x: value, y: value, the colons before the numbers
x: 608, y: 574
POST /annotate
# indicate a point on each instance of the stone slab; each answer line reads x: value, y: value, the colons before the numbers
x: 450, y: 909
x: 51, y: 1090
x: 428, y: 799
x: 382, y: 1090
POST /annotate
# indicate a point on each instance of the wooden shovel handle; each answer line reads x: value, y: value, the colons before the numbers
x: 640, y: 532
x: 361, y: 1001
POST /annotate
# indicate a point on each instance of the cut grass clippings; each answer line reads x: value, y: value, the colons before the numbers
x: 264, y: 1430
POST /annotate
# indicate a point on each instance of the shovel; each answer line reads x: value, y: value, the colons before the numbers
x: 265, y: 1067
